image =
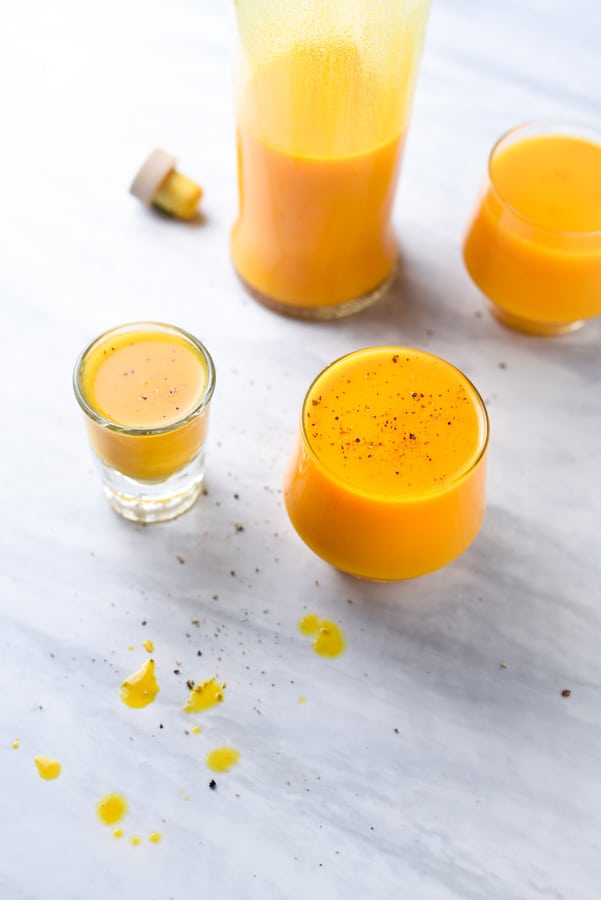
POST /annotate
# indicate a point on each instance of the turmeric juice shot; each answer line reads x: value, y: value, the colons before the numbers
x: 533, y: 246
x: 324, y: 94
x: 145, y: 390
x: 387, y: 477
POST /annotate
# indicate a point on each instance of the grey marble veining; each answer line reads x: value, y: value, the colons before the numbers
x: 419, y: 766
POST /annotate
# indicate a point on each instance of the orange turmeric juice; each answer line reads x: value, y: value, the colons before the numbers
x: 387, y: 478
x: 322, y: 112
x: 315, y: 230
x: 144, y: 389
x: 534, y: 245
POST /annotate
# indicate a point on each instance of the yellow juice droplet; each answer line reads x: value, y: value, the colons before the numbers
x: 203, y: 696
x: 48, y: 768
x: 309, y: 624
x: 329, y: 639
x: 16, y: 744
x: 135, y: 841
x: 155, y: 837
x: 196, y: 729
x: 302, y: 699
x: 222, y: 759
x: 111, y: 808
x: 118, y: 833
x: 141, y: 687
x: 148, y: 646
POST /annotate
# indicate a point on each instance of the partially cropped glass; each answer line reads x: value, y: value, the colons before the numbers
x: 533, y: 246
x: 387, y: 477
x: 323, y: 98
x: 145, y: 390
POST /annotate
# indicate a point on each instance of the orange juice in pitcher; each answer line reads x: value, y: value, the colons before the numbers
x: 324, y: 94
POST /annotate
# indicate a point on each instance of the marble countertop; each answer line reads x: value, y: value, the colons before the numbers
x: 436, y: 759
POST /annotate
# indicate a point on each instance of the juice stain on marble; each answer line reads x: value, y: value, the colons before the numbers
x: 148, y: 646
x: 222, y: 759
x: 204, y: 696
x: 111, y: 808
x: 141, y: 687
x: 16, y: 744
x: 48, y: 768
x: 329, y: 640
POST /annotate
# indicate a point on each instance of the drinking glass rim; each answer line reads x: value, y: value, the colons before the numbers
x: 457, y: 478
x: 110, y: 424
x: 541, y: 123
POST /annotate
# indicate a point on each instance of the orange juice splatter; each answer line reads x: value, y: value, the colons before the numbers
x: 222, y: 759
x: 16, y: 744
x: 329, y: 639
x: 204, y: 696
x: 148, y: 646
x: 196, y: 729
x: 48, y: 768
x: 111, y: 808
x: 135, y: 841
x: 155, y: 837
x: 309, y: 624
x: 118, y: 833
x: 302, y: 699
x: 141, y: 687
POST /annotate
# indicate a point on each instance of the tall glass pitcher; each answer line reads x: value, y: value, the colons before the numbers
x: 324, y: 91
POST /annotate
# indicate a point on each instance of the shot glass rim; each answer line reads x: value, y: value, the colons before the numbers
x: 571, y: 125
x: 110, y: 424
x: 451, y: 482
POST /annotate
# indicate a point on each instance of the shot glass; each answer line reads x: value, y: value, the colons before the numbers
x: 533, y: 246
x: 323, y: 100
x: 387, y: 477
x: 145, y: 390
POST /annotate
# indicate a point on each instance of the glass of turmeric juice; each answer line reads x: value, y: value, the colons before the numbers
x: 323, y: 98
x: 145, y: 390
x: 387, y: 477
x: 533, y: 246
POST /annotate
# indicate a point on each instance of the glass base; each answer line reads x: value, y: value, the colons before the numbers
x: 147, y: 502
x: 370, y: 580
x: 323, y: 313
x: 533, y: 326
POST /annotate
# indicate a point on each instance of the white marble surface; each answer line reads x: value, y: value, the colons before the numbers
x: 418, y: 767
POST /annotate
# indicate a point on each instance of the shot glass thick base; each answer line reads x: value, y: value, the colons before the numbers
x: 533, y: 326
x: 147, y: 502
x: 323, y: 313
